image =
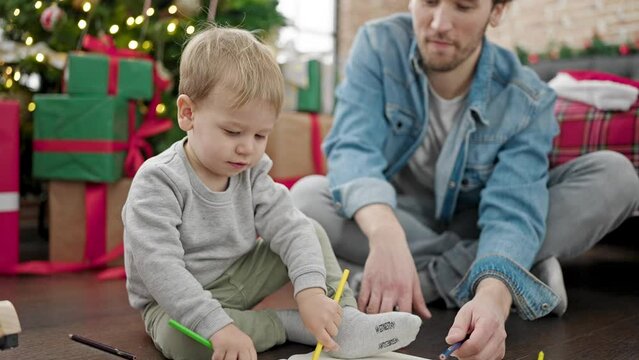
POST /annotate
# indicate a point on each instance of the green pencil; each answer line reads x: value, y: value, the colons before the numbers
x: 190, y: 333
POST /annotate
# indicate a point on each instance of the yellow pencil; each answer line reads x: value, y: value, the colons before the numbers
x: 338, y: 295
x: 541, y: 356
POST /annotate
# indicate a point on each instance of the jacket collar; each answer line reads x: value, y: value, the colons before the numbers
x: 480, y: 86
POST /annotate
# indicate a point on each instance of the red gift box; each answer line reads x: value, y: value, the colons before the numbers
x: 9, y: 182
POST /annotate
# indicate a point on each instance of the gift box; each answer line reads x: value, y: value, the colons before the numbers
x: 294, y: 145
x: 98, y: 74
x: 81, y: 138
x: 9, y: 182
x: 303, y: 88
x: 85, y: 219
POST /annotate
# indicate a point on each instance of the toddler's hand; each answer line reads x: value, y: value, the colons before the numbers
x: 321, y: 315
x: 230, y: 343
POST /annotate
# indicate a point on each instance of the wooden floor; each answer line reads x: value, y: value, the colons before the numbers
x: 602, y: 321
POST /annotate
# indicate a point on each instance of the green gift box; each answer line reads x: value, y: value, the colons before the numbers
x: 80, y: 138
x: 310, y: 98
x: 98, y: 74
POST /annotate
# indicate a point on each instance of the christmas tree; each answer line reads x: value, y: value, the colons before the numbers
x: 35, y: 37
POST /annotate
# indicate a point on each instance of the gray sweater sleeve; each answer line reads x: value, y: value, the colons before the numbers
x: 152, y: 217
x: 288, y: 231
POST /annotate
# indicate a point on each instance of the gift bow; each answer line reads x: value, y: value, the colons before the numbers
x: 138, y: 147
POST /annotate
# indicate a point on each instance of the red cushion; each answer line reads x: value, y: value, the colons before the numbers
x: 585, y: 129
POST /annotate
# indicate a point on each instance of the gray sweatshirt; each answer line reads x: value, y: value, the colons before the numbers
x: 179, y: 236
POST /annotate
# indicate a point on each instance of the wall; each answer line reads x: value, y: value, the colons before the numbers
x: 532, y: 24
x: 537, y: 24
x: 354, y: 13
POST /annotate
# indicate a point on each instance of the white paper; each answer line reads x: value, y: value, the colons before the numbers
x: 385, y: 356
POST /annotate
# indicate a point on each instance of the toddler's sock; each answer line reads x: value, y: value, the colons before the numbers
x: 360, y: 335
x: 294, y: 327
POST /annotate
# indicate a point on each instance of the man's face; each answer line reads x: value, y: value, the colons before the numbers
x: 449, y: 32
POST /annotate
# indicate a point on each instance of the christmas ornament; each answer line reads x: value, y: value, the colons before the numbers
x: 51, y: 16
x: 624, y: 49
x: 188, y: 7
x: 533, y: 58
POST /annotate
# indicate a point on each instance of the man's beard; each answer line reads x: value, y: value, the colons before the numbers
x: 459, y: 55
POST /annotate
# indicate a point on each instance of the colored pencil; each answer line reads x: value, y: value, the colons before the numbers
x: 104, y: 347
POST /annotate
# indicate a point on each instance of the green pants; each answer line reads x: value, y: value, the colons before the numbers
x: 249, y: 280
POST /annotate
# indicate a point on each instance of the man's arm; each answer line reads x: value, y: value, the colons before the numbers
x: 512, y: 217
x: 390, y: 271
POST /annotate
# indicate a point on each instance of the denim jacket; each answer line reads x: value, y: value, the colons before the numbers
x: 495, y: 158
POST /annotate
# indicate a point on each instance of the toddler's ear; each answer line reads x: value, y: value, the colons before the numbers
x: 185, y: 112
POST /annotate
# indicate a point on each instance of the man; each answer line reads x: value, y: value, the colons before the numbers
x: 438, y: 177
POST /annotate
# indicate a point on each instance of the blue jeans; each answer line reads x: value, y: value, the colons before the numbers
x: 589, y: 197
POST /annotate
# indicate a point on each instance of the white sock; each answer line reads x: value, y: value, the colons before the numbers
x: 294, y: 327
x: 362, y: 335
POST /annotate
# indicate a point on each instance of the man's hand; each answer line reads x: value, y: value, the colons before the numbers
x: 230, y: 343
x: 483, y: 318
x: 321, y: 316
x: 389, y: 272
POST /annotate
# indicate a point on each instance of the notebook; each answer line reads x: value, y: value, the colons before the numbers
x: 385, y: 356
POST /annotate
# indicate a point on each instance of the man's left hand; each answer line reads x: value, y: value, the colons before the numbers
x: 483, y: 320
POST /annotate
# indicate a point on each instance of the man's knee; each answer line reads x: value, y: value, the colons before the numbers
x: 308, y: 191
x: 618, y: 176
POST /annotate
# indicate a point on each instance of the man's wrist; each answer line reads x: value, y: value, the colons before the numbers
x: 496, y: 291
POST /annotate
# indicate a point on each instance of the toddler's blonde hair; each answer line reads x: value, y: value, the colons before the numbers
x: 234, y: 60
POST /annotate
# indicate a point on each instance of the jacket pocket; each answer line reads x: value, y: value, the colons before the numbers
x: 476, y: 176
x: 400, y: 120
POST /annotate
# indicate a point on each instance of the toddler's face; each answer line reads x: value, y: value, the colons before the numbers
x: 226, y: 141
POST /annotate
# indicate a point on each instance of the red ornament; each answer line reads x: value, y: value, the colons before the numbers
x: 51, y: 16
x: 533, y: 58
x: 624, y: 49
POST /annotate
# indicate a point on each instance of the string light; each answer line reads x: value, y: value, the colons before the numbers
x: 172, y: 9
x: 39, y: 57
x: 8, y: 83
x: 146, y: 45
x: 16, y: 12
x: 31, y: 107
x: 8, y: 70
x: 133, y: 44
x: 171, y: 27
x: 16, y: 76
x: 86, y: 6
x: 150, y: 11
x: 38, y: 4
x: 29, y: 41
x: 82, y: 24
x: 114, y: 29
x: 130, y: 21
x: 190, y: 29
x: 160, y: 108
x: 139, y: 19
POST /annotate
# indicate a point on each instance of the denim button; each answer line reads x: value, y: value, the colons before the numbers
x: 451, y: 184
x: 544, y: 306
